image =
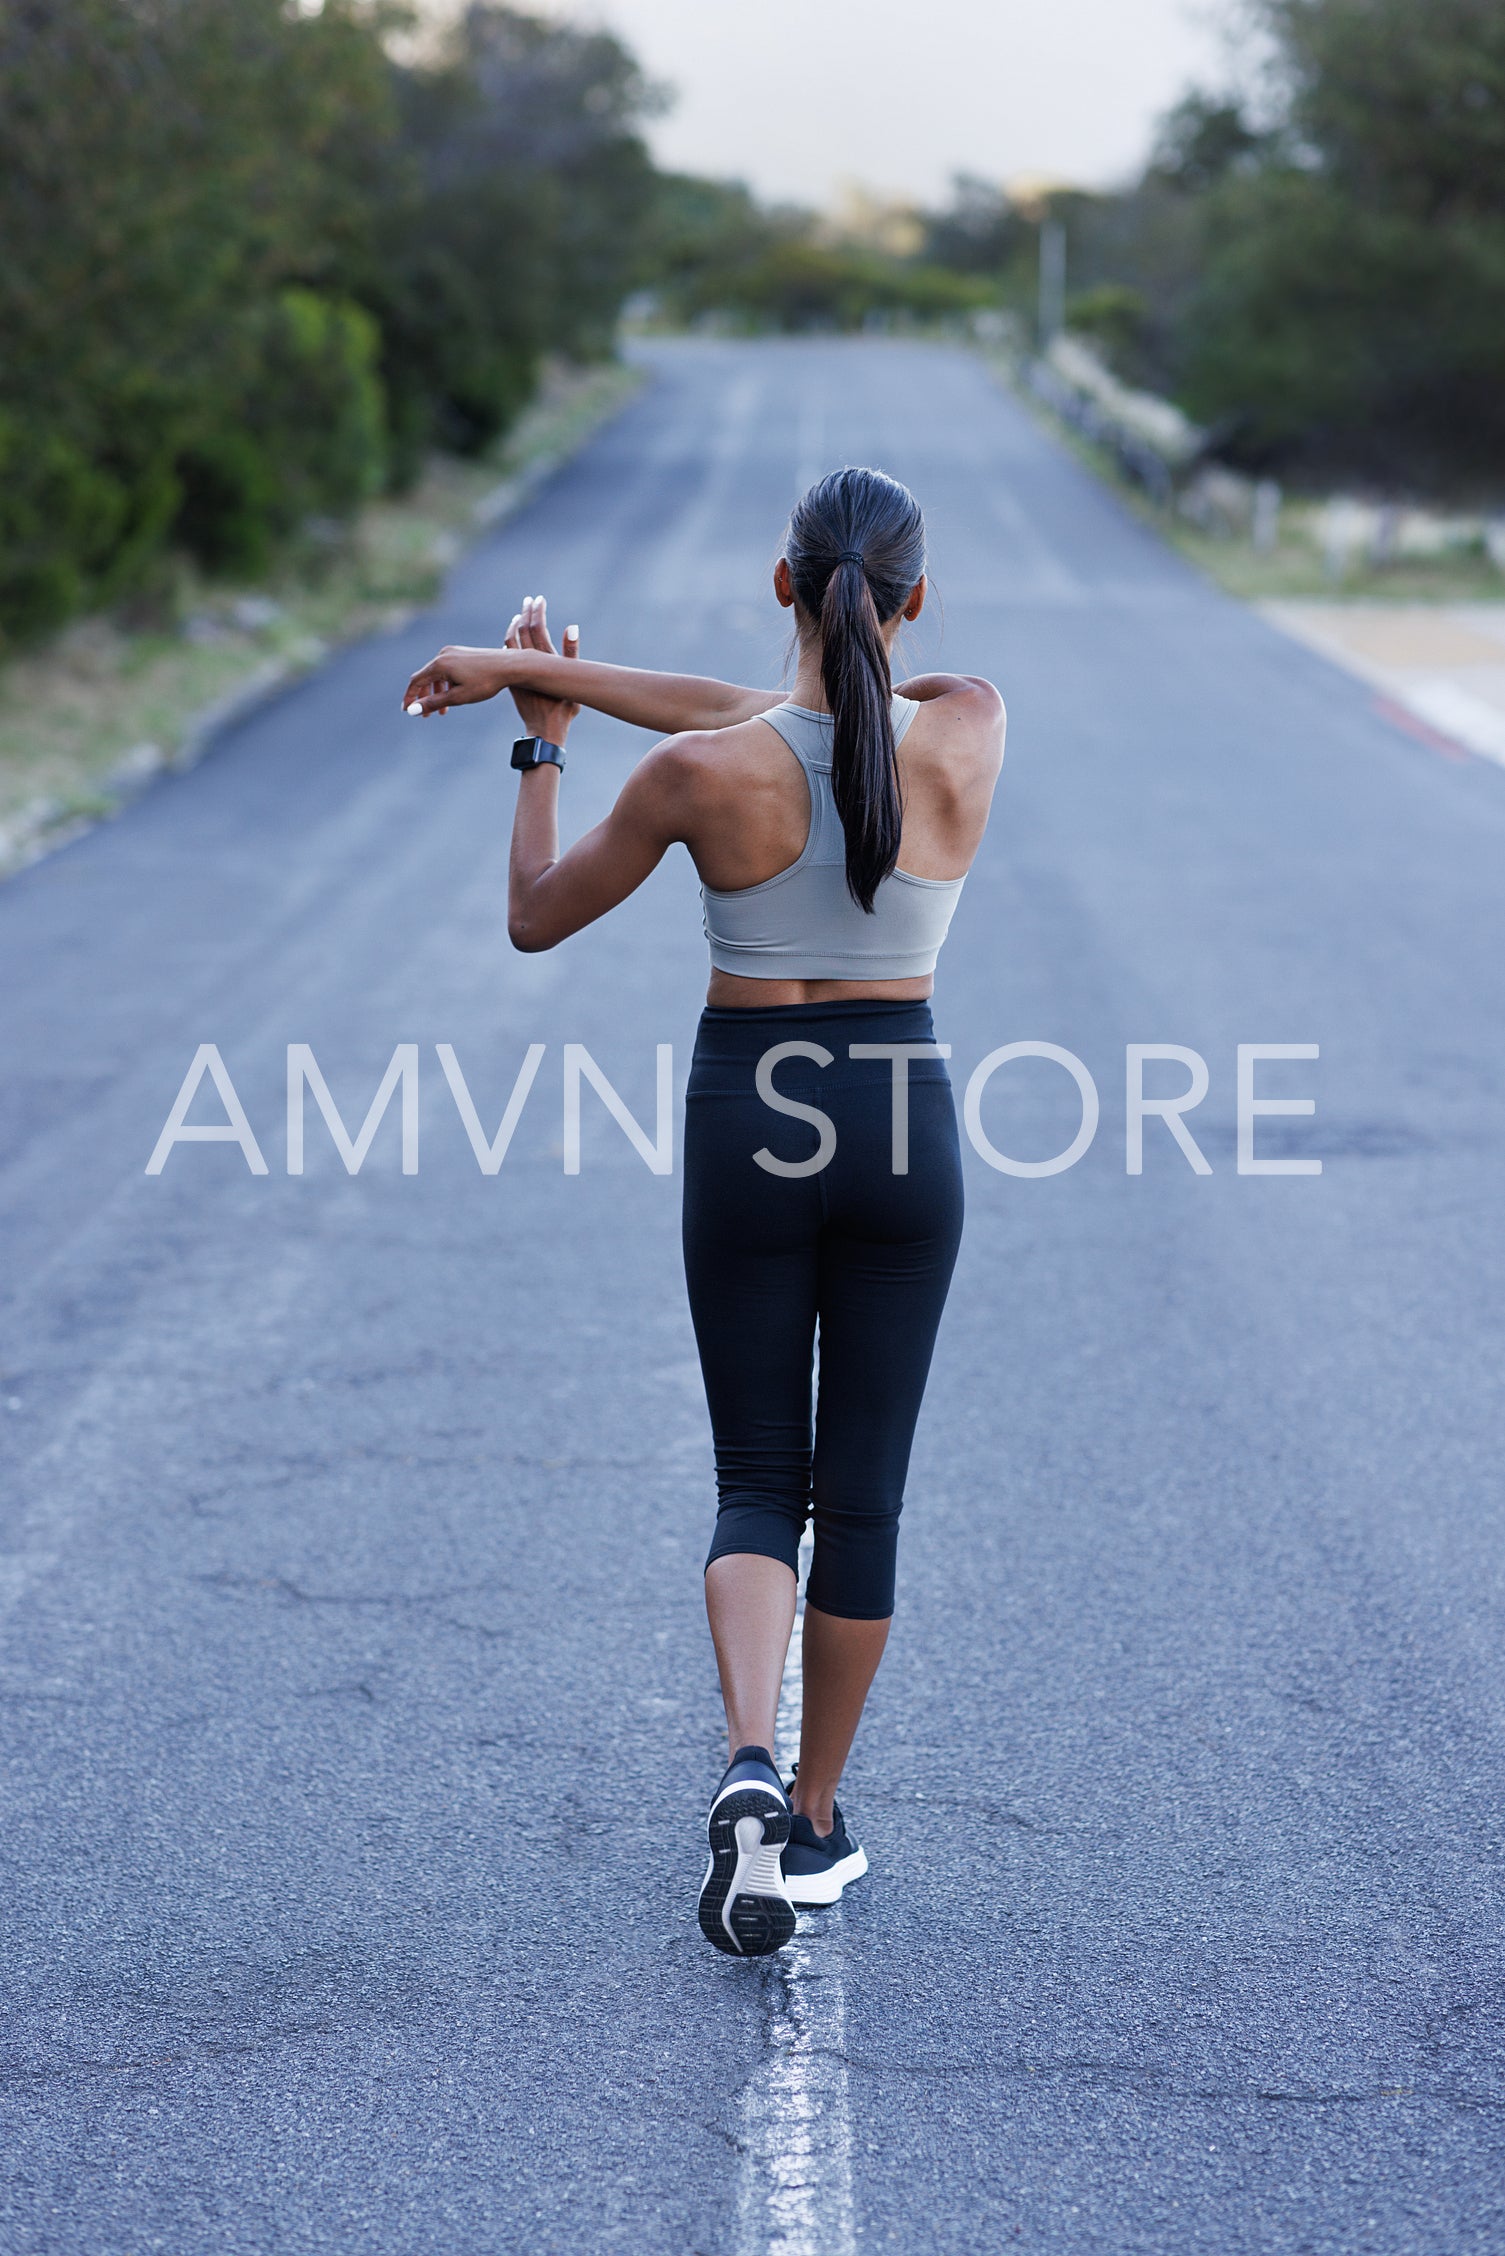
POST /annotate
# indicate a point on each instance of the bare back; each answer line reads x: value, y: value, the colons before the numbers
x: 747, y: 816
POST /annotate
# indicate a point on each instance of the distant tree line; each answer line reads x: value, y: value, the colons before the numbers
x: 254, y: 267
x: 718, y: 252
x: 261, y: 256
x: 1314, y: 266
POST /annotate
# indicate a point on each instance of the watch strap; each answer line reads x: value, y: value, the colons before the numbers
x: 536, y: 752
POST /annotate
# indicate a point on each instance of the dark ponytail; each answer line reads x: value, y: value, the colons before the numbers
x: 855, y: 550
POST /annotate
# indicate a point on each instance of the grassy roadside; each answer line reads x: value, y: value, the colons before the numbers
x: 88, y: 718
x: 1294, y: 569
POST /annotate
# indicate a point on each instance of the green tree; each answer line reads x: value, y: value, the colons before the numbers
x: 708, y: 236
x: 176, y: 178
x: 716, y: 250
x: 980, y: 231
x: 252, y: 266
x: 1351, y: 308
x: 1201, y: 141
x: 517, y: 225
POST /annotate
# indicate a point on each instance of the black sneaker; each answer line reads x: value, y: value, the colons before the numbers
x: 815, y: 1869
x: 744, y: 1904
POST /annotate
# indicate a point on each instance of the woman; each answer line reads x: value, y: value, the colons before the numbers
x: 832, y: 831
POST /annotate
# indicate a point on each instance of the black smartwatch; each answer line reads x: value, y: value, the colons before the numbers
x: 533, y: 751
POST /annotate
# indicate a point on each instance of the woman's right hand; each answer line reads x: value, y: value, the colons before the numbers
x: 456, y: 677
x: 548, y: 717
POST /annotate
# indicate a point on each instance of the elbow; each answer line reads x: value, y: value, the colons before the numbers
x: 525, y: 937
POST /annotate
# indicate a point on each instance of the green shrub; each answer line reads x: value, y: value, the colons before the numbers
x: 58, y: 515
x: 253, y: 267
x: 305, y: 433
x: 1113, y: 315
x: 798, y: 283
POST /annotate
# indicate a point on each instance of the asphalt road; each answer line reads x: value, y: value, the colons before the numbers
x: 357, y: 1704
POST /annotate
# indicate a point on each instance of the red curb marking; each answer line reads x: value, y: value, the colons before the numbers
x: 1402, y: 717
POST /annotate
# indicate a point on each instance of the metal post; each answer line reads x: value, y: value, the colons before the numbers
x: 1265, y: 525
x: 1052, y: 279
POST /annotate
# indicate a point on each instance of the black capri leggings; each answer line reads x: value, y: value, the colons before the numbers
x: 858, y: 1246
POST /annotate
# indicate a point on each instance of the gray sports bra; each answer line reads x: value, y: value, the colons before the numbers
x: 804, y: 924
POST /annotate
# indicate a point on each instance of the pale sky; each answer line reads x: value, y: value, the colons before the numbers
x: 798, y: 96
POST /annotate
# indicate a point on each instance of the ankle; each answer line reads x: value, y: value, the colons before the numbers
x: 819, y: 1808
x: 737, y: 1741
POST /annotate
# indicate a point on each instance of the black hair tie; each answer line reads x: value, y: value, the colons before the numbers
x: 852, y: 556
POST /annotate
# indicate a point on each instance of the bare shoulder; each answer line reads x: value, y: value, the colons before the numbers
x: 981, y: 700
x: 960, y: 726
x: 689, y: 774
x: 703, y: 755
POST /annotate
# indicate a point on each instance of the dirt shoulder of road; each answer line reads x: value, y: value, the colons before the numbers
x: 1294, y: 569
x: 1427, y: 635
x: 1437, y: 668
x: 88, y: 719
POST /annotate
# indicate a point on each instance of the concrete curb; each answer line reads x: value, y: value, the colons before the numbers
x: 43, y: 825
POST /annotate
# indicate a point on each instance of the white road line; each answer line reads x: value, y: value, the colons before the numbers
x: 786, y: 1730
x: 810, y: 443
x: 689, y: 560
x: 795, y: 2195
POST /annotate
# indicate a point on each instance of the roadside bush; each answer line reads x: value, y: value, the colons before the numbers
x: 807, y: 285
x: 62, y: 517
x: 306, y: 434
x: 1328, y: 328
x: 1352, y: 304
x: 707, y: 235
x: 254, y: 268
x: 178, y: 178
x: 1113, y: 316
x: 518, y: 227
x: 1322, y: 265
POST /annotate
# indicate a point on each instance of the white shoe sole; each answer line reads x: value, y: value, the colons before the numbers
x: 825, y: 1887
x: 745, y: 1907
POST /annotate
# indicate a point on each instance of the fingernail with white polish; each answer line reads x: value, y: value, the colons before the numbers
x: 415, y: 707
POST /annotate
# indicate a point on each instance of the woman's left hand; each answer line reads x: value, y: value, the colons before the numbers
x: 548, y: 717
